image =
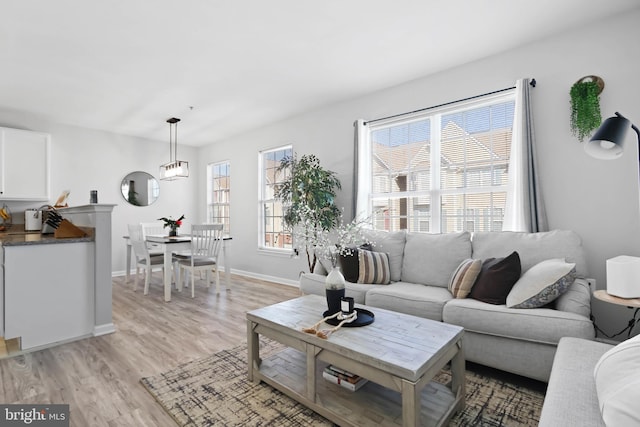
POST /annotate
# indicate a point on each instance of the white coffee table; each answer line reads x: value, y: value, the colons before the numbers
x: 400, y: 354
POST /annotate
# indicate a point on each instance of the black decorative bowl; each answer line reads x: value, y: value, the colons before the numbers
x: 365, y: 317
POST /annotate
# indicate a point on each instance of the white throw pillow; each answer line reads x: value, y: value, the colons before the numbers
x: 617, y: 378
x: 541, y: 284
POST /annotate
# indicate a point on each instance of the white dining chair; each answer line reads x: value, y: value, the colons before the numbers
x: 156, y: 229
x: 206, y: 241
x: 143, y: 258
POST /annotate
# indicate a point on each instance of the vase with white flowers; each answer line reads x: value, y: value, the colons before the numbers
x: 330, y: 245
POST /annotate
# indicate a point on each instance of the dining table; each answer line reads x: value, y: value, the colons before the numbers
x: 170, y: 244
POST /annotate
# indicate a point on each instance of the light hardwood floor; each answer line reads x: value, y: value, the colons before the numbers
x: 99, y: 377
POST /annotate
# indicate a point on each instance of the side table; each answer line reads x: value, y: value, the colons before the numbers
x: 632, y: 303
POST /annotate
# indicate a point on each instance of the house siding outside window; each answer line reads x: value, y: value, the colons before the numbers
x: 219, y: 194
x: 273, y: 234
x: 442, y: 170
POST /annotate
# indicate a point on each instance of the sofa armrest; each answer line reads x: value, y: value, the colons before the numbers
x: 319, y: 269
x: 571, y: 397
x: 312, y: 283
x: 577, y: 299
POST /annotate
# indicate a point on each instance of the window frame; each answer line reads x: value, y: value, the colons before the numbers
x: 263, y: 200
x: 211, y: 203
x: 436, y: 216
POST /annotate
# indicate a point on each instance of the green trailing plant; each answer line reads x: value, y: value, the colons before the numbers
x: 585, y: 108
x: 308, y: 201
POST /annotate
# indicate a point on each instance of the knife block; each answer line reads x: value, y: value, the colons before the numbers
x: 66, y: 230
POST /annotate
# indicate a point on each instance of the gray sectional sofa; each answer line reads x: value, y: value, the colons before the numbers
x: 571, y: 398
x: 521, y: 341
x: 594, y: 384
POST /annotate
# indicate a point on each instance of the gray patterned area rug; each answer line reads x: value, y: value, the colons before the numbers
x: 214, y: 391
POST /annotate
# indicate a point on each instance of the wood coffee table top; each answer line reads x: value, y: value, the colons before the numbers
x: 400, y: 344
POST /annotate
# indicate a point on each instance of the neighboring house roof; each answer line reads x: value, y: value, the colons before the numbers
x: 459, y: 148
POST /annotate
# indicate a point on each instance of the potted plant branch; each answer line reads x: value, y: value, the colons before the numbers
x: 308, y: 201
x: 585, y: 106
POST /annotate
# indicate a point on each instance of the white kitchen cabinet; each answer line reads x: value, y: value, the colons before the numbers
x: 55, y: 290
x: 48, y: 293
x: 1, y: 291
x: 24, y: 165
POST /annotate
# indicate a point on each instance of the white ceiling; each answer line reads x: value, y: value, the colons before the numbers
x: 126, y: 66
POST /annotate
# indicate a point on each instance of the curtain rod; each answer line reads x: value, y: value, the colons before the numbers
x: 532, y: 83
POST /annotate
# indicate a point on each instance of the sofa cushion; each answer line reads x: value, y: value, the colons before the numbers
x: 311, y: 283
x: 496, y: 278
x: 532, y: 247
x: 430, y: 259
x: 543, y: 325
x: 391, y: 242
x: 464, y: 277
x: 617, y: 378
x: 410, y: 298
x: 373, y: 267
x: 577, y: 299
x: 541, y: 284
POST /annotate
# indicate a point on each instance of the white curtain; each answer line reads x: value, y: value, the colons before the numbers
x: 361, y: 168
x: 524, y: 206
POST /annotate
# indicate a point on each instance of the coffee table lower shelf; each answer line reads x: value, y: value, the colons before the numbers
x: 371, y: 405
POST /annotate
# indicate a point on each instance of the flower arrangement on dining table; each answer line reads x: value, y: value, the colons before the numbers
x: 173, y: 224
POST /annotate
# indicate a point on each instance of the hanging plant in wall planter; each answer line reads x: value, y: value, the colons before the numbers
x: 585, y: 106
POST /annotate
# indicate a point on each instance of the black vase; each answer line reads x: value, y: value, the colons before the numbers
x: 334, y: 297
x: 173, y: 233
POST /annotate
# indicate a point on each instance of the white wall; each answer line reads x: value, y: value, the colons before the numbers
x: 85, y: 160
x: 597, y: 199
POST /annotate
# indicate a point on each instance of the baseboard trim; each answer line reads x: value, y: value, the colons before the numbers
x: 266, y: 278
x: 105, y: 329
x: 251, y: 274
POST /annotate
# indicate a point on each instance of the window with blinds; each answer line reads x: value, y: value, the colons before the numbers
x: 273, y: 233
x: 443, y: 170
x: 219, y: 194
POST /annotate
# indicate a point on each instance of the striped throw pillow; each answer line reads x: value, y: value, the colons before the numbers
x: 464, y: 277
x: 374, y: 267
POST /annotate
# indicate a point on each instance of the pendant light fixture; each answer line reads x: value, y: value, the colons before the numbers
x: 175, y: 168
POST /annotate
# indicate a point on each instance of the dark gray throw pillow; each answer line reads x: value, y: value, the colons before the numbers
x: 349, y: 264
x: 497, y: 277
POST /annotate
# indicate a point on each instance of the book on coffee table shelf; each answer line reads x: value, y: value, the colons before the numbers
x: 343, y: 378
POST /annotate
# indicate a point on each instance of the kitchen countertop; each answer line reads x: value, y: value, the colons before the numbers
x: 16, y: 236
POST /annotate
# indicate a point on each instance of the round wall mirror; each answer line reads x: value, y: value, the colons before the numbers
x: 140, y: 188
